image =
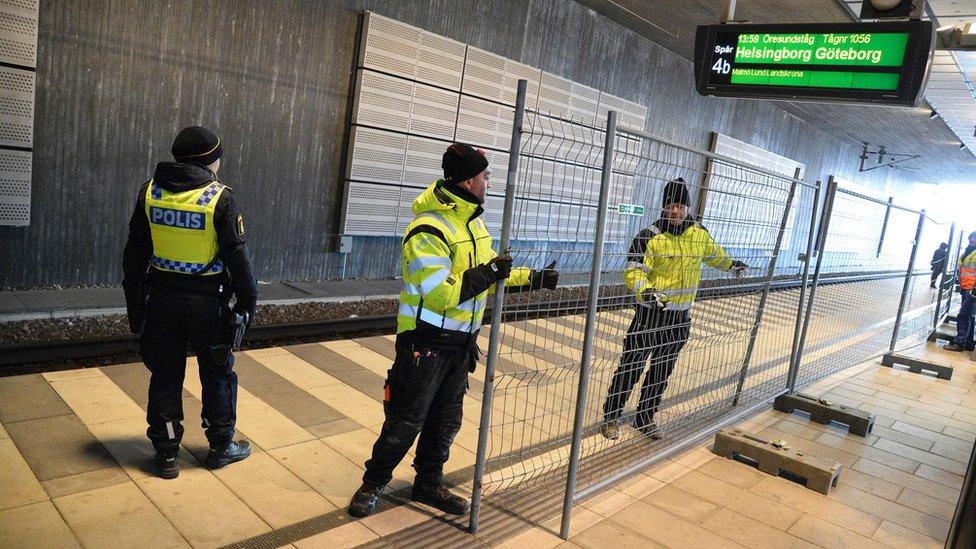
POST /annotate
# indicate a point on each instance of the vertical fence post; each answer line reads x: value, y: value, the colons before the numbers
x: 937, y: 318
x: 808, y: 257
x: 820, y: 247
x: 496, y: 312
x: 770, y: 272
x: 955, y: 272
x: 884, y: 226
x: 591, y: 321
x: 908, y: 281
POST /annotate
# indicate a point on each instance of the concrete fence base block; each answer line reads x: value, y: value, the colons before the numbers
x: 917, y: 366
x: 823, y: 412
x: 778, y: 458
x: 941, y: 335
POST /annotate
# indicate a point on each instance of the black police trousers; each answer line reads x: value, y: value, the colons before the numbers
x: 175, y: 319
x: 423, y: 395
x: 660, y: 335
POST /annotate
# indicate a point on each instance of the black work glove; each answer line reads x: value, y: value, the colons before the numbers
x: 544, y: 279
x: 738, y: 268
x: 652, y: 297
x: 473, y: 356
x: 135, y: 306
x: 246, y: 305
x: 500, y: 267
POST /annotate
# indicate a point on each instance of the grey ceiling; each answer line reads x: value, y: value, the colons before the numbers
x: 672, y: 23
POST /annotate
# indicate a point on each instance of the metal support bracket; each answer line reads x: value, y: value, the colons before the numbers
x: 916, y: 366
x: 823, y: 412
x: 779, y: 459
x: 881, y: 153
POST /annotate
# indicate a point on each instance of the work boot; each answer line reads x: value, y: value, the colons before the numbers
x: 363, y: 502
x: 610, y: 429
x: 954, y: 347
x: 651, y: 431
x: 439, y: 497
x: 168, y: 463
x: 226, y: 454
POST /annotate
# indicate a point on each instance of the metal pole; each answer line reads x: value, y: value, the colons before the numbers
x: 962, y: 531
x: 908, y: 281
x: 937, y: 318
x: 821, y: 241
x: 955, y: 273
x: 770, y: 271
x: 884, y: 226
x: 591, y: 320
x: 795, y: 350
x: 728, y: 11
x: 496, y: 312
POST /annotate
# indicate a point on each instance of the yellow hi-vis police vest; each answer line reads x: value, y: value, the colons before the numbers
x: 672, y: 265
x: 440, y: 244
x: 967, y: 271
x: 182, y: 227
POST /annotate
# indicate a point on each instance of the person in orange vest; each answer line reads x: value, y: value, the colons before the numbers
x: 967, y: 283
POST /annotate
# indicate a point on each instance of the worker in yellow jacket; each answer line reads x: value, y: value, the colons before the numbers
x: 663, y: 271
x: 966, y: 267
x: 449, y: 269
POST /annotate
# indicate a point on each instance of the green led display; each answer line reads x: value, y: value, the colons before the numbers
x: 820, y: 79
x: 849, y: 49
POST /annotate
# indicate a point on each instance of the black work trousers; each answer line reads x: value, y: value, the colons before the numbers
x: 423, y: 395
x: 655, y: 334
x: 175, y: 319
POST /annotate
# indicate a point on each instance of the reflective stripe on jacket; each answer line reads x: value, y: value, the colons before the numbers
x: 181, y: 224
x: 671, y: 264
x: 967, y: 271
x: 446, y: 238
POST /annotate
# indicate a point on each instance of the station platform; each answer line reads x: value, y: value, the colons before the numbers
x: 77, y: 469
x: 16, y: 305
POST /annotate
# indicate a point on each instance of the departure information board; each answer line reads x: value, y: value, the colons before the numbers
x: 854, y: 62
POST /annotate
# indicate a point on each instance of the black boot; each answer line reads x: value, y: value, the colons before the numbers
x: 227, y: 453
x: 167, y: 463
x: 440, y: 498
x: 363, y: 502
x: 651, y: 431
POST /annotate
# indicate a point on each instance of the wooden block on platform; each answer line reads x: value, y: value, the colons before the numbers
x: 814, y: 472
x: 821, y: 411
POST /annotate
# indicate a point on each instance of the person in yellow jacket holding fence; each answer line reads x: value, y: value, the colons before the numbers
x: 663, y: 271
x: 449, y: 269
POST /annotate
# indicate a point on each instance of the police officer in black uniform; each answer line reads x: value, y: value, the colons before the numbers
x: 185, y: 257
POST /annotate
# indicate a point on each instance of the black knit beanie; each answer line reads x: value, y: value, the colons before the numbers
x: 675, y: 192
x: 462, y: 162
x: 198, y: 145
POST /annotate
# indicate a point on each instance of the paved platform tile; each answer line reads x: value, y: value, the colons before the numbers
x: 328, y: 472
x: 342, y: 537
x: 829, y: 536
x: 743, y: 501
x: 59, y: 446
x: 893, y: 512
x: 610, y: 534
x: 117, y: 516
x: 751, y: 533
x: 899, y: 536
x: 28, y: 397
x: 82, y: 482
x: 202, y: 509
x: 96, y: 398
x: 667, y: 529
x: 817, y: 505
x: 38, y: 526
x: 20, y: 486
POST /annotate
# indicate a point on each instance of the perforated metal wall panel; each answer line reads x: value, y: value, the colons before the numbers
x: 18, y: 32
x: 406, y: 112
x: 15, y: 187
x: 16, y: 107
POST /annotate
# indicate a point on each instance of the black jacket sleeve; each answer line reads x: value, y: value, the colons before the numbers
x: 138, y: 251
x: 232, y: 246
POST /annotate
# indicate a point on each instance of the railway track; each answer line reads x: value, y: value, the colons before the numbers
x: 39, y: 356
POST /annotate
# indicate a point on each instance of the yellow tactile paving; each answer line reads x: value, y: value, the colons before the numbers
x: 202, y: 509
x: 38, y: 525
x: 117, y: 516
x: 20, y: 486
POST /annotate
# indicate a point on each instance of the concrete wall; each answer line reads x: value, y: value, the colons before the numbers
x: 117, y: 79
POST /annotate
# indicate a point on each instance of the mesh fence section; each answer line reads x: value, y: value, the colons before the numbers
x: 864, y: 257
x: 680, y: 307
x: 539, y: 355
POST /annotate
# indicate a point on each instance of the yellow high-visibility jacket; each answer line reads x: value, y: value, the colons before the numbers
x: 446, y: 238
x: 669, y: 260
x: 967, y: 271
x: 184, y: 238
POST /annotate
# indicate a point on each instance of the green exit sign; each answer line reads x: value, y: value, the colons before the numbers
x: 630, y: 209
